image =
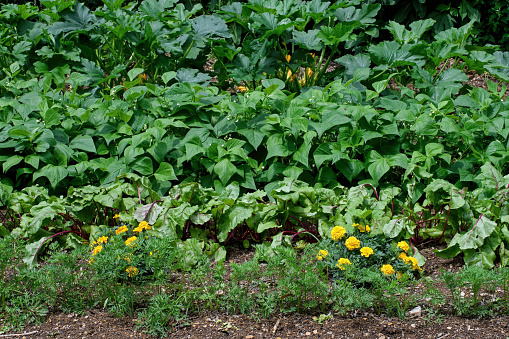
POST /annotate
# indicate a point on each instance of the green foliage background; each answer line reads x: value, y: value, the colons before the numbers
x: 93, y: 99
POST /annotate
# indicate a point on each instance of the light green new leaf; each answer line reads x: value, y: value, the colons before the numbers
x: 474, y: 238
x: 132, y: 74
x: 148, y: 212
x: 394, y: 227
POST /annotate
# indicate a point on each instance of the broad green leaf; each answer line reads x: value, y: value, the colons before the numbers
x: 393, y: 54
x: 211, y: 27
x: 308, y: 40
x: 79, y: 19
x: 166, y: 77
x: 55, y: 174
x: 84, y: 143
x: 378, y: 168
x: 165, y: 172
x: 225, y: 170
x: 156, y: 8
x: 394, y: 227
x: 434, y: 149
x: 365, y: 15
x: 133, y: 73
x: 148, y: 212
x: 11, y: 161
x: 232, y: 218
x: 474, y: 238
x: 143, y: 166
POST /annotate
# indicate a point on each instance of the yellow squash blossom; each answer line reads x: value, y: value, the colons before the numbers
x: 337, y: 233
x: 242, y: 89
x: 352, y: 243
x: 387, y: 270
x: 342, y: 262
x: 322, y: 254
x: 366, y: 251
x: 288, y: 57
x: 309, y: 72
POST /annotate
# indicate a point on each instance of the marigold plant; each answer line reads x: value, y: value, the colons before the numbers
x: 123, y: 254
x: 358, y: 249
x: 322, y: 254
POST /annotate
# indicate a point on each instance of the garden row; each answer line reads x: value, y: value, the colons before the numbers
x: 277, y: 280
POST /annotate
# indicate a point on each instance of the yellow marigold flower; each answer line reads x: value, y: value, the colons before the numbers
x: 142, y: 226
x: 322, y: 254
x: 387, y: 270
x: 412, y: 261
x: 97, y: 249
x: 363, y: 229
x: 352, y: 243
x: 116, y: 216
x: 242, y: 89
x: 309, y: 72
x: 131, y: 271
x: 150, y: 253
x: 130, y: 241
x: 400, y: 275
x: 337, y: 233
x: 403, y: 257
x: 93, y: 243
x: 366, y: 251
x: 288, y: 57
x: 342, y: 262
x: 403, y: 245
x: 121, y: 230
x: 102, y: 240
x: 368, y: 228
